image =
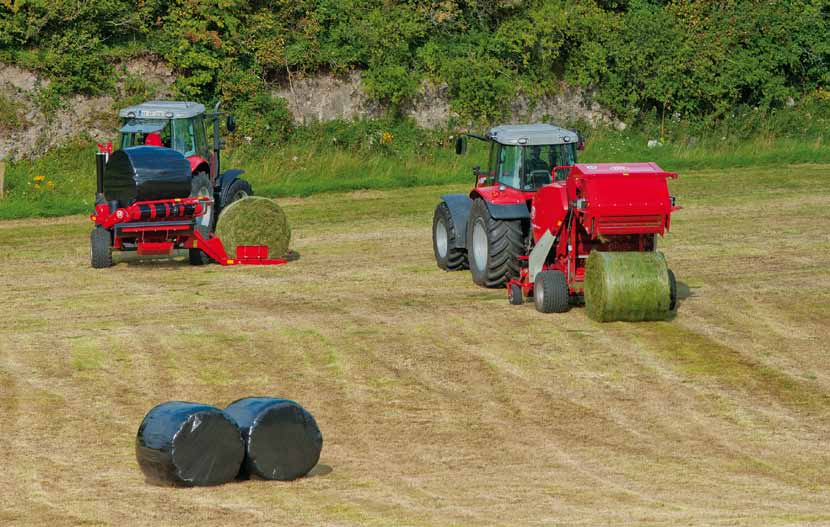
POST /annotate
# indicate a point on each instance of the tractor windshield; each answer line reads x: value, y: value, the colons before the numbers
x: 528, y: 168
x: 183, y: 135
x: 137, y: 132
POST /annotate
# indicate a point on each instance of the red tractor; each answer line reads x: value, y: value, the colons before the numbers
x: 535, y: 215
x: 163, y: 188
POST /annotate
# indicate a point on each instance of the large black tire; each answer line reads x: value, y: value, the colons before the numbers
x: 493, y: 247
x: 672, y: 291
x: 550, y: 292
x: 444, y: 234
x: 237, y: 190
x: 101, y: 248
x: 200, y: 186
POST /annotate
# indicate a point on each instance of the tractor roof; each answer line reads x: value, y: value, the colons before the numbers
x: 163, y: 110
x: 532, y: 134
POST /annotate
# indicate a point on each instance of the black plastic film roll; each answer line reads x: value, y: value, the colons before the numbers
x: 282, y: 440
x: 188, y: 444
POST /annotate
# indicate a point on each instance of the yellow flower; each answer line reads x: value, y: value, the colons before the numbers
x: 50, y: 185
x: 386, y: 138
x: 38, y: 179
x: 37, y: 186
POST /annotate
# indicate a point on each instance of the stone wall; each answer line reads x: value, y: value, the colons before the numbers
x: 310, y: 99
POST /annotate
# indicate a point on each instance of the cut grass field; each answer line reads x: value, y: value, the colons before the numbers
x: 440, y: 404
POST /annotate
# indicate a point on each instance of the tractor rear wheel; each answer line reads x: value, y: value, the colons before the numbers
x: 444, y: 234
x: 101, y: 248
x: 200, y: 187
x: 550, y: 292
x: 493, y: 247
x: 672, y: 291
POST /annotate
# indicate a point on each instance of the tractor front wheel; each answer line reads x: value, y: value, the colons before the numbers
x: 493, y: 246
x: 444, y: 234
x: 550, y: 292
x: 237, y: 190
x: 200, y: 187
x: 101, y: 248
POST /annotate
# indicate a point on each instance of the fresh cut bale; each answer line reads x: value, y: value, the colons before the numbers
x: 629, y: 286
x: 282, y: 440
x: 188, y: 444
x: 254, y: 221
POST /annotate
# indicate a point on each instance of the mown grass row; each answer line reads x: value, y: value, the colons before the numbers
x: 63, y: 181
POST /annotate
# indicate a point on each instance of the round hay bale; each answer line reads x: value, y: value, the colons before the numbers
x: 629, y: 286
x: 282, y: 440
x: 188, y: 444
x: 254, y: 221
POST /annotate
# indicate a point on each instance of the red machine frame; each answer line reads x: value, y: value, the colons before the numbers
x: 159, y: 227
x: 625, y: 212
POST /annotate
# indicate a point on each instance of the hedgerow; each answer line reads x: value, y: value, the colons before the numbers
x: 700, y: 61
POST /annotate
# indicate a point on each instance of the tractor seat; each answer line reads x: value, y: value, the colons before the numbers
x: 540, y: 178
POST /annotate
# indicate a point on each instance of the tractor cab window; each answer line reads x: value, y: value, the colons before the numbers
x: 565, y: 156
x: 184, y: 139
x: 489, y: 176
x: 539, y: 161
x: 151, y: 132
x: 201, y: 138
x: 510, y: 166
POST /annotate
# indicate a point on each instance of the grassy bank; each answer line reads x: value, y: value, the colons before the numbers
x: 340, y: 157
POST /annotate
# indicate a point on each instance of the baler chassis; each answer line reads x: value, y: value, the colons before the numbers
x: 159, y: 227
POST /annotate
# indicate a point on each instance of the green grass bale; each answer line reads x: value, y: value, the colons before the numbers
x: 254, y: 221
x: 630, y: 286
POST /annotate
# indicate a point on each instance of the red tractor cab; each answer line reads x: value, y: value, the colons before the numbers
x: 163, y: 188
x: 488, y: 229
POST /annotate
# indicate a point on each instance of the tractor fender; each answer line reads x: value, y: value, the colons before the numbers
x: 226, y: 179
x: 459, y: 205
x: 516, y: 211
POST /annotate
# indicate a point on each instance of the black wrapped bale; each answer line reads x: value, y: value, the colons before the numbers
x: 188, y: 444
x: 282, y: 440
x: 146, y: 173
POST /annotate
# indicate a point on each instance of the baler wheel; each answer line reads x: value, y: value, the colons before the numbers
x: 672, y: 291
x: 550, y: 292
x: 493, y: 247
x: 514, y: 295
x: 200, y: 186
x: 444, y: 233
x: 101, y: 248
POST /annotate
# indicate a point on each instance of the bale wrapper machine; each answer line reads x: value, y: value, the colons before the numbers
x: 163, y: 189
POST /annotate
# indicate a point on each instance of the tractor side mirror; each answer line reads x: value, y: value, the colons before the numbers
x: 477, y: 170
x: 580, y: 140
x: 460, y: 145
x: 231, y: 124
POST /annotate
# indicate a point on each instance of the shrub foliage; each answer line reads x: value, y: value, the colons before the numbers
x: 698, y: 60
